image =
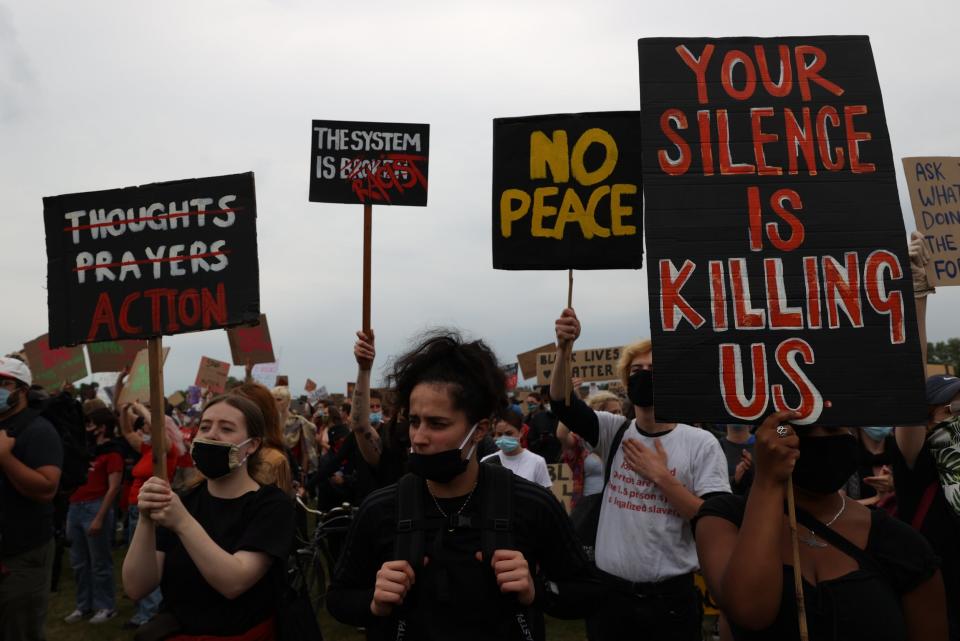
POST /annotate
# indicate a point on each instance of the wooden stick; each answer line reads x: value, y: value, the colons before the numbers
x: 797, y: 570
x: 157, y: 402
x: 567, y: 366
x: 367, y: 235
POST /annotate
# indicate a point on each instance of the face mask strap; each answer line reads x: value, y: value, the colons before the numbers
x: 469, y: 434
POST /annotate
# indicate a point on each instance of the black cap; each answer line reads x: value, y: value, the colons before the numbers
x: 941, y: 389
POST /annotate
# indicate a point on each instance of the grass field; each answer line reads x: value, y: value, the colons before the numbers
x: 63, y: 602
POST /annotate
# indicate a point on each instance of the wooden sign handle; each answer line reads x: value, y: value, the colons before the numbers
x: 157, y: 402
x: 566, y: 366
x: 797, y: 570
x: 367, y: 236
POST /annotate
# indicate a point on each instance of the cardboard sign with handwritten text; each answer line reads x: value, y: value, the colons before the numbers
x: 586, y: 364
x: 251, y: 343
x: 212, y: 374
x: 51, y: 368
x: 934, y: 184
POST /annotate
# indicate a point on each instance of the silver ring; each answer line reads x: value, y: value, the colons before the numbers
x: 783, y: 431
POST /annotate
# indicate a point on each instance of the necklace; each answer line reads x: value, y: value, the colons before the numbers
x: 440, y: 509
x: 813, y: 541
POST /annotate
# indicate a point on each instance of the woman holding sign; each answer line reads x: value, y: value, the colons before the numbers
x: 865, y: 575
x: 219, y: 550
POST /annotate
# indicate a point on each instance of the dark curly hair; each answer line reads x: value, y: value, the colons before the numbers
x: 470, y: 371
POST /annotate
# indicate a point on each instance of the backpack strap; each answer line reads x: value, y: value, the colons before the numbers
x: 618, y: 437
x: 924, y: 506
x: 840, y: 542
x: 410, y: 544
x: 496, y: 511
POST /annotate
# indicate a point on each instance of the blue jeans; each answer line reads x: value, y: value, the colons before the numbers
x: 148, y: 605
x: 91, y: 556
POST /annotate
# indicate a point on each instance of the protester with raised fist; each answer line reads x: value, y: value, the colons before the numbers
x: 865, y: 575
x: 220, y: 550
x: 453, y: 550
x: 659, y: 476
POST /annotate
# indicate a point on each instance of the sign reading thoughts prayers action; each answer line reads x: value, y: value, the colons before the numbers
x: 778, y: 269
x: 566, y: 192
x: 146, y: 261
x: 371, y: 163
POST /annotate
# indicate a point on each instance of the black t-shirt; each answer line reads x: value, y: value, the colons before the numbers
x: 260, y: 521
x: 26, y: 524
x: 862, y: 605
x: 456, y: 596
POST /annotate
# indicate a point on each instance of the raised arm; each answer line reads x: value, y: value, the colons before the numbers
x: 367, y: 438
x: 744, y: 568
x: 910, y: 439
x: 572, y: 412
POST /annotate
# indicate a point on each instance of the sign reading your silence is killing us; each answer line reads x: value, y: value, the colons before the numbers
x: 779, y: 276
x: 370, y: 163
x: 566, y: 192
x: 158, y: 259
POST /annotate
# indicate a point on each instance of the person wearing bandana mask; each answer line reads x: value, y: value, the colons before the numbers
x: 866, y: 575
x: 926, y: 458
x: 448, y: 389
x: 220, y: 549
x: 31, y: 457
x: 644, y: 544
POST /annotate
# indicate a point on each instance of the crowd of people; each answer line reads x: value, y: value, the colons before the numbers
x: 458, y: 534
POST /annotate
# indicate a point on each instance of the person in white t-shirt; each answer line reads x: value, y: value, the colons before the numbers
x: 660, y: 475
x: 514, y: 455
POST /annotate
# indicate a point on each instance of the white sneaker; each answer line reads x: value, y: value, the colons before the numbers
x: 102, y: 616
x: 76, y: 615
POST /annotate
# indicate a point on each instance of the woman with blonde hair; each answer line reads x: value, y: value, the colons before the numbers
x: 271, y: 467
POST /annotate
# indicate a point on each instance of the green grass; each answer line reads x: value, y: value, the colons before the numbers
x: 63, y: 602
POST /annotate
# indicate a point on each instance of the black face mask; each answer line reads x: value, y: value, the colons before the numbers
x: 441, y: 467
x: 640, y: 388
x: 825, y: 463
x: 215, y: 459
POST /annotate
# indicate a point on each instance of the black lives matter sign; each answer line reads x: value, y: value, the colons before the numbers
x: 566, y: 192
x: 157, y: 259
x: 778, y: 270
x: 370, y: 163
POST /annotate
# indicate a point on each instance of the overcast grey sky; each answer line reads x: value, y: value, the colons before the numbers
x: 103, y: 94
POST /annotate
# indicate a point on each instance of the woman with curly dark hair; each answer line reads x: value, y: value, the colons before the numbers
x: 455, y: 547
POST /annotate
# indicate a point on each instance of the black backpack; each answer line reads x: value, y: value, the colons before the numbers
x: 496, y: 523
x: 66, y: 415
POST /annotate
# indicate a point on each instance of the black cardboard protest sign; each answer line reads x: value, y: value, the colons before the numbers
x: 370, y: 163
x: 157, y: 259
x: 566, y: 192
x: 778, y: 269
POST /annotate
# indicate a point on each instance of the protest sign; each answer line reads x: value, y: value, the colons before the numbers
x: 212, y: 374
x: 934, y: 184
x: 251, y: 343
x: 265, y: 373
x: 194, y: 394
x: 310, y: 385
x: 510, y: 371
x: 586, y: 364
x: 940, y: 368
x: 528, y: 360
x: 562, y: 478
x: 176, y: 399
x: 113, y: 356
x: 157, y: 259
x: 282, y: 381
x: 779, y: 276
x: 137, y: 386
x: 51, y: 368
x: 382, y: 163
x: 566, y: 192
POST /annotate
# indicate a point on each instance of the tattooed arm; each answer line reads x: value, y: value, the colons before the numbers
x: 367, y: 438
